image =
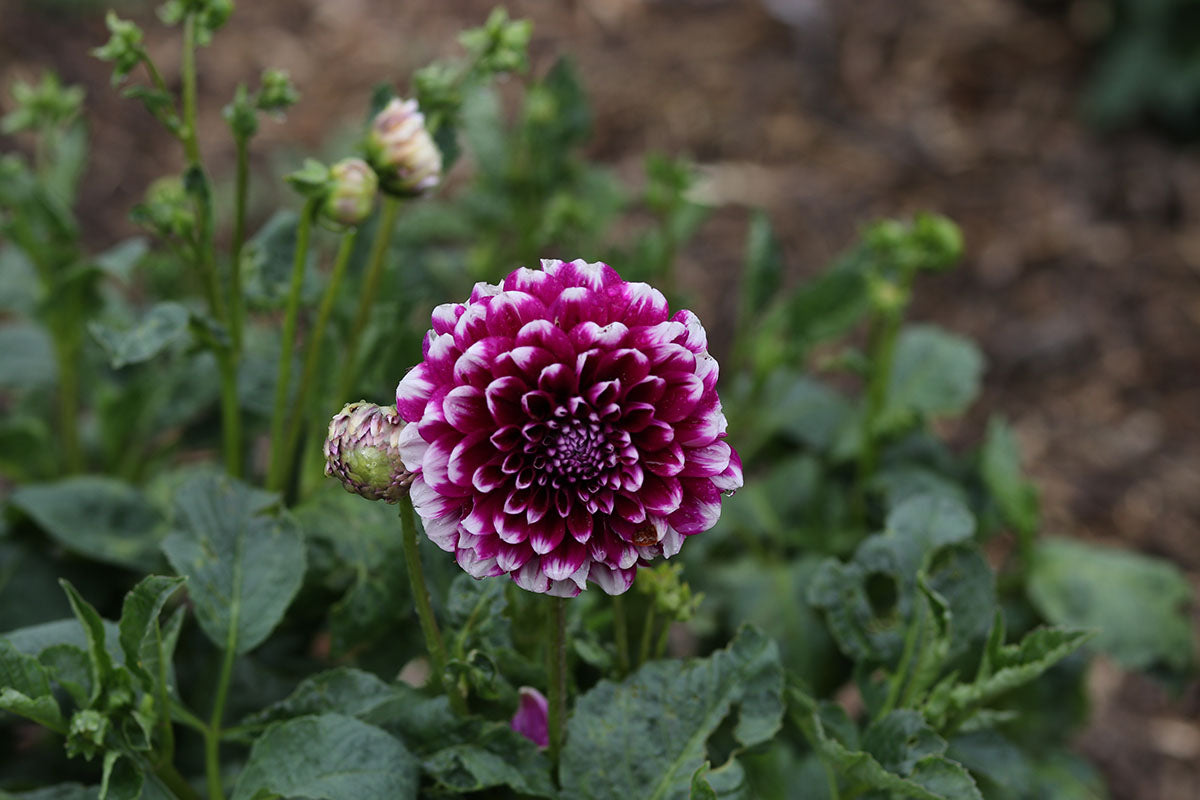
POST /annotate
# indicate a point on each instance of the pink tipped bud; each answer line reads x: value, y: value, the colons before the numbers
x: 401, y: 150
x: 362, y: 451
x: 532, y: 719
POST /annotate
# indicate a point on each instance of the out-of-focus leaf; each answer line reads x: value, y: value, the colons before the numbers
x: 764, y: 266
x: 499, y: 756
x: 26, y: 357
x: 1000, y: 467
x: 328, y: 757
x: 343, y: 690
x: 161, y: 327
x: 36, y: 638
x: 1136, y: 604
x: 25, y: 688
x: 670, y: 747
x: 102, y: 518
x: 267, y: 264
x: 119, y: 260
x: 120, y: 780
x: 244, y: 564
x: 18, y: 280
x: 934, y: 373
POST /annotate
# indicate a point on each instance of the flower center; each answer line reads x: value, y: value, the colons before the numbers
x: 577, y: 447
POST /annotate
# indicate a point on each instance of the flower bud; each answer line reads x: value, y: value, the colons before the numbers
x: 352, y: 187
x: 402, y: 152
x: 362, y: 451
x: 532, y: 717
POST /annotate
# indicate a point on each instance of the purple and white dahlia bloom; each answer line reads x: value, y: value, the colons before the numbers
x: 565, y: 427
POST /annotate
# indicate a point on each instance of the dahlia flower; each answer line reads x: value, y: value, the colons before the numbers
x: 532, y: 719
x: 361, y: 451
x: 564, y: 428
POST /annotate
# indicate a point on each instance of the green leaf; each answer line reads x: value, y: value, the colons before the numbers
x: 899, y: 739
x: 140, y: 634
x: 613, y: 720
x: 764, y: 268
x: 62, y: 791
x: 69, y: 667
x: 99, y: 659
x: 162, y: 326
x: 934, y: 373
x: 121, y: 780
x: 328, y: 757
x: 343, y: 690
x: 119, y: 260
x: 25, y: 688
x: 923, y: 524
x: 1004, y: 667
x: 475, y: 611
x: 102, y: 518
x: 267, y: 264
x: 933, y: 777
x: 700, y: 789
x: 499, y: 756
x: 35, y: 639
x: 26, y: 357
x: 1138, y: 605
x: 1000, y: 468
x: 18, y: 281
x: 244, y: 564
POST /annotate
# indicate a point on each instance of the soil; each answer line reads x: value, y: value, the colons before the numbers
x: 1082, y: 279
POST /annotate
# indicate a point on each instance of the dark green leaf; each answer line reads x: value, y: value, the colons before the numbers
x: 1000, y: 467
x: 700, y: 789
x: 140, y: 634
x: 328, y: 757
x: 119, y: 261
x: 69, y: 667
x: 35, y: 639
x: 1138, y: 605
x: 102, y: 518
x: 670, y: 747
x: 499, y: 756
x: 25, y: 688
x: 900, y: 739
x: 163, y: 326
x: 343, y: 690
x: 99, y: 659
x: 267, y: 263
x: 244, y: 564
x: 121, y: 779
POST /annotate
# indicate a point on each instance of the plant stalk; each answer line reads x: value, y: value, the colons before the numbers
x: 621, y: 634
x: 175, y: 782
x: 312, y: 352
x: 367, y: 296
x: 420, y: 591
x: 236, y: 301
x: 191, y: 144
x: 556, y: 669
x: 287, y: 343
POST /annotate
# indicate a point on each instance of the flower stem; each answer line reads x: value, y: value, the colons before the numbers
x: 647, y: 637
x: 312, y: 351
x: 66, y: 351
x: 175, y: 782
x: 212, y: 734
x: 621, y: 634
x: 420, y: 591
x: 287, y: 343
x: 236, y: 301
x: 367, y: 295
x: 556, y: 667
x: 191, y: 144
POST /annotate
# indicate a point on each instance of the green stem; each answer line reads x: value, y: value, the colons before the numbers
x: 166, y: 729
x: 287, y: 344
x: 155, y: 75
x: 420, y: 592
x: 881, y: 349
x: 181, y: 714
x: 191, y: 144
x: 212, y: 734
x: 231, y: 420
x: 367, y: 295
x: 236, y: 303
x: 621, y: 633
x: 660, y: 649
x: 66, y: 351
x: 647, y: 638
x: 175, y: 782
x: 556, y: 668
x: 312, y: 352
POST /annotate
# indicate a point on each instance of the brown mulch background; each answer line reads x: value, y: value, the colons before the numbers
x: 1082, y: 280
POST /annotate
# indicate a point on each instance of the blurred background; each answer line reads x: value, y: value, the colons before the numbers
x: 1060, y: 134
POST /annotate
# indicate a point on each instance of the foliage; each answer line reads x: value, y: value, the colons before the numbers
x: 246, y: 628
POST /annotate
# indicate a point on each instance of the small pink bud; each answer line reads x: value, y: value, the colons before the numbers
x: 532, y: 719
x: 402, y: 152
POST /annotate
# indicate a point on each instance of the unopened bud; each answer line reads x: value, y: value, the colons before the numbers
x: 362, y: 451
x: 352, y: 187
x: 402, y: 152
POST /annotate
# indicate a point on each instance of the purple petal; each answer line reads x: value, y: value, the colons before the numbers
x: 413, y: 392
x: 532, y: 719
x: 705, y: 462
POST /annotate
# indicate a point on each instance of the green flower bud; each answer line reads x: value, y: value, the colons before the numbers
x: 362, y: 451
x: 46, y: 105
x: 352, y: 187
x: 500, y: 44
x: 276, y: 93
x: 401, y: 151
x: 86, y: 734
x: 124, y: 47
x: 167, y: 209
x: 939, y: 239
